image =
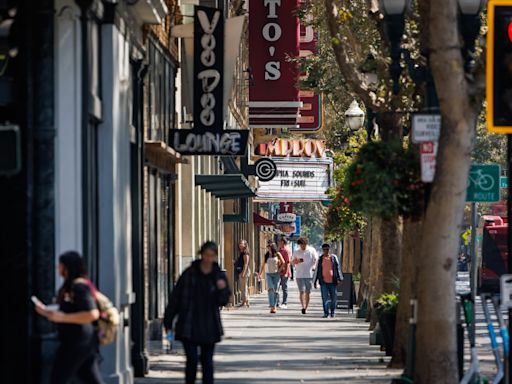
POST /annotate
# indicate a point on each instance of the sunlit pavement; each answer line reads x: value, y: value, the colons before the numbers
x: 286, y: 347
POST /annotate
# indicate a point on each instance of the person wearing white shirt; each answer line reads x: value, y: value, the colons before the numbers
x: 304, y: 259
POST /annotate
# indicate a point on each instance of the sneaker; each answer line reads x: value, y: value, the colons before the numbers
x: 303, y: 311
x: 332, y: 315
x: 325, y: 316
x: 284, y: 306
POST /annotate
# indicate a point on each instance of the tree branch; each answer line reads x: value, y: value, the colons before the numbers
x: 349, y: 70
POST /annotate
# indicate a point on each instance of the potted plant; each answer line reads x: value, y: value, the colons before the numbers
x: 386, y: 306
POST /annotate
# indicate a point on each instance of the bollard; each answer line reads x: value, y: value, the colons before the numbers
x: 460, y: 341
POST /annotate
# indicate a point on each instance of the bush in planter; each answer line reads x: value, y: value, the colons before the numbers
x: 384, y: 180
x: 386, y: 306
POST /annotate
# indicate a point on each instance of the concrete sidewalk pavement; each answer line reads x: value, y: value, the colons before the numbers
x: 286, y: 347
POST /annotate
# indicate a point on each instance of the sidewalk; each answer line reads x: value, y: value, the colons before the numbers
x: 286, y: 347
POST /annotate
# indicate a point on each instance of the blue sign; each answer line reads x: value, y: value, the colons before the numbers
x: 298, y: 222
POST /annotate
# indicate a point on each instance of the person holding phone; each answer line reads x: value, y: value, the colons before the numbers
x: 77, y: 354
x: 199, y: 293
x: 304, y: 260
x: 271, y: 264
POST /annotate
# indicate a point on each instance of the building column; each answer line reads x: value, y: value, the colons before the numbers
x: 115, y: 256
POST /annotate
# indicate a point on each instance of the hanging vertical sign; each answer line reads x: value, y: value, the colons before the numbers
x: 208, y: 69
x: 273, y: 38
x: 208, y: 137
x: 311, y: 112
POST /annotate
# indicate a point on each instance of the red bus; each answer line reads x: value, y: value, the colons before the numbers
x: 492, y: 252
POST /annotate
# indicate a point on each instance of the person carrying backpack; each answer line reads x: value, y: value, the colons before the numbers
x: 199, y: 293
x: 76, y: 319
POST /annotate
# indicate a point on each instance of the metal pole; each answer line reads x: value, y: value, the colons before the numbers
x: 509, y: 246
x: 474, y: 264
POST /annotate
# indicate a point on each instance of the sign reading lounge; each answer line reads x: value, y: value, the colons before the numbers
x: 208, y: 137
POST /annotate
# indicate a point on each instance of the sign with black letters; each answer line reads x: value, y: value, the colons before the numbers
x: 208, y: 136
x: 208, y: 69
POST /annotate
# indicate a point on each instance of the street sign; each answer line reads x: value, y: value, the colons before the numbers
x: 506, y: 291
x: 428, y: 154
x: 484, y: 183
x: 425, y: 127
x: 503, y: 182
x: 298, y: 223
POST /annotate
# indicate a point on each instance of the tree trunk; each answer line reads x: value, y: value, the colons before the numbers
x: 436, y: 356
x: 391, y: 244
x: 365, y: 265
x: 376, y: 275
x: 410, y: 249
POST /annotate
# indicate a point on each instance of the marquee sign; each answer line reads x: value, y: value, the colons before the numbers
x: 208, y: 136
x: 292, y: 148
x: 298, y: 180
x: 273, y: 38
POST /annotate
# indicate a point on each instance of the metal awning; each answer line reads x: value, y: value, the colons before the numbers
x: 262, y: 221
x: 162, y: 157
x: 232, y: 186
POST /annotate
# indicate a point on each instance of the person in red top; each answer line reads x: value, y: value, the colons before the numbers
x: 284, y: 272
x: 328, y: 273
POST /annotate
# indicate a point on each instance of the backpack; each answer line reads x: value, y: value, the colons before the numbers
x: 108, y: 321
x: 109, y: 315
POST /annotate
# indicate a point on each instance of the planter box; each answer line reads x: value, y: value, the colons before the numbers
x: 387, y: 323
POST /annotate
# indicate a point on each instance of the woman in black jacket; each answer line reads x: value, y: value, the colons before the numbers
x: 199, y: 293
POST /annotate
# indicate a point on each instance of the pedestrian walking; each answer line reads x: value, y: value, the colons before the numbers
x: 243, y: 272
x: 304, y: 260
x: 271, y: 264
x: 328, y: 274
x: 77, y: 356
x: 284, y: 273
x: 199, y: 293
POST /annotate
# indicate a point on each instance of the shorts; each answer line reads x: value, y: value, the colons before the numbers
x: 304, y: 284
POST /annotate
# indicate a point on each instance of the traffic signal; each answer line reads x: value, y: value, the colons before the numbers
x: 499, y: 66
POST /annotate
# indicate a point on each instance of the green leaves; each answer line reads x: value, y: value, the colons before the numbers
x: 384, y: 181
x: 387, y: 302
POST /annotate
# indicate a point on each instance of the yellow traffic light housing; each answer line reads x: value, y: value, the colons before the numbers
x: 499, y: 66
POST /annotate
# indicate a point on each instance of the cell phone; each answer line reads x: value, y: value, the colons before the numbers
x: 37, y: 302
x: 301, y: 259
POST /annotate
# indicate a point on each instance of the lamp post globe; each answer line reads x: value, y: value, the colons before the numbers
x: 471, y: 7
x: 395, y: 7
x: 354, y: 116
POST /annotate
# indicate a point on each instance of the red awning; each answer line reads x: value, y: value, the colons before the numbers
x: 260, y: 220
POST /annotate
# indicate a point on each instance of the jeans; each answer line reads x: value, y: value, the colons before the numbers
x: 272, y: 282
x: 76, y: 360
x: 284, y: 287
x: 328, y: 290
x: 191, y: 350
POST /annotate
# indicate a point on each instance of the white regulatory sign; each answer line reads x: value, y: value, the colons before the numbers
x: 506, y: 291
x: 425, y: 127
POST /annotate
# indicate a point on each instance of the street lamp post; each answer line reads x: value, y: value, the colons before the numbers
x: 470, y: 28
x: 394, y: 11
